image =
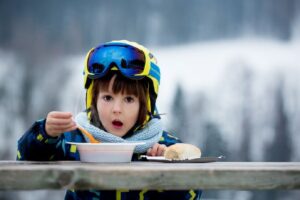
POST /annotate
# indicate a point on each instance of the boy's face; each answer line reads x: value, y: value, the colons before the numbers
x: 118, y: 113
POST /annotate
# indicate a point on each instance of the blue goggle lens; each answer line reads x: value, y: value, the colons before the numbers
x: 129, y: 60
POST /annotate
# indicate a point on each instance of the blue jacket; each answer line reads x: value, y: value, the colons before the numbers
x: 36, y: 145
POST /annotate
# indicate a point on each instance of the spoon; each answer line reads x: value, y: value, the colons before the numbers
x: 86, y: 133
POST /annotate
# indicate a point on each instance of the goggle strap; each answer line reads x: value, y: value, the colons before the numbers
x: 155, y: 72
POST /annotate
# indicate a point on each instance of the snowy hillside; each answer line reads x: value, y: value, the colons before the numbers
x: 203, y: 66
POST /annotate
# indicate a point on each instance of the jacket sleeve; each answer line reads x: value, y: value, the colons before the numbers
x: 168, y: 139
x: 36, y: 145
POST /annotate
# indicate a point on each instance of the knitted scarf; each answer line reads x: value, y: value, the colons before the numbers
x: 147, y: 136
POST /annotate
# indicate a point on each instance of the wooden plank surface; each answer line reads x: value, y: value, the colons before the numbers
x: 18, y: 175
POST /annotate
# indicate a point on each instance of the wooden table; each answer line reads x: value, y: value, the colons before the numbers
x: 19, y: 175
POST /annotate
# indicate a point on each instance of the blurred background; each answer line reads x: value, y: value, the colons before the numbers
x: 230, y: 72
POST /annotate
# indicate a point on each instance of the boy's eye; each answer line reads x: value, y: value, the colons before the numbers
x: 129, y: 99
x: 107, y: 98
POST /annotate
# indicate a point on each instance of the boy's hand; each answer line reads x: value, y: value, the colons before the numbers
x: 59, y: 122
x: 157, y: 150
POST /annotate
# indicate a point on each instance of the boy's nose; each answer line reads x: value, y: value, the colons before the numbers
x: 117, y: 107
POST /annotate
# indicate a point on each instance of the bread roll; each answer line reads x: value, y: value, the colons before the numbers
x: 181, y: 151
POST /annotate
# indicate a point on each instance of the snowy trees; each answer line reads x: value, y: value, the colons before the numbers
x: 178, y: 124
x: 280, y: 148
x: 244, y: 118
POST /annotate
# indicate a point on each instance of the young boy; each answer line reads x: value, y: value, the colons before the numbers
x: 122, y: 80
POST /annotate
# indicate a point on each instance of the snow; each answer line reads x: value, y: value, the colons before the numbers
x: 212, y: 67
x: 201, y: 66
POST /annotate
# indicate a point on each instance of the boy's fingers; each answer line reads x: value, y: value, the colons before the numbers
x: 62, y: 115
x: 149, y: 152
x: 59, y: 131
x: 71, y: 128
x: 154, y: 149
x: 63, y: 127
x: 161, y: 149
x: 55, y: 127
x: 59, y: 121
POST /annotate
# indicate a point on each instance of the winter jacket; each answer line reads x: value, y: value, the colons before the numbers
x: 36, y: 145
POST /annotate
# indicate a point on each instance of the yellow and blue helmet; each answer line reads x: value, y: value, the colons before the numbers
x: 133, y: 60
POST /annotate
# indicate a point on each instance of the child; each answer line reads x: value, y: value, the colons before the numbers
x: 121, y: 79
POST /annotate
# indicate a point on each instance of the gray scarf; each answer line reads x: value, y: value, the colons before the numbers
x: 149, y: 135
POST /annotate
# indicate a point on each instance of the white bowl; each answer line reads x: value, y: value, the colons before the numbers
x: 105, y: 152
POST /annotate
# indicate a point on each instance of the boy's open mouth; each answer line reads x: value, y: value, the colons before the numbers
x: 117, y: 123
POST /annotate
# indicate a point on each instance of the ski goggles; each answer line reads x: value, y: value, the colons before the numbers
x: 130, y: 61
